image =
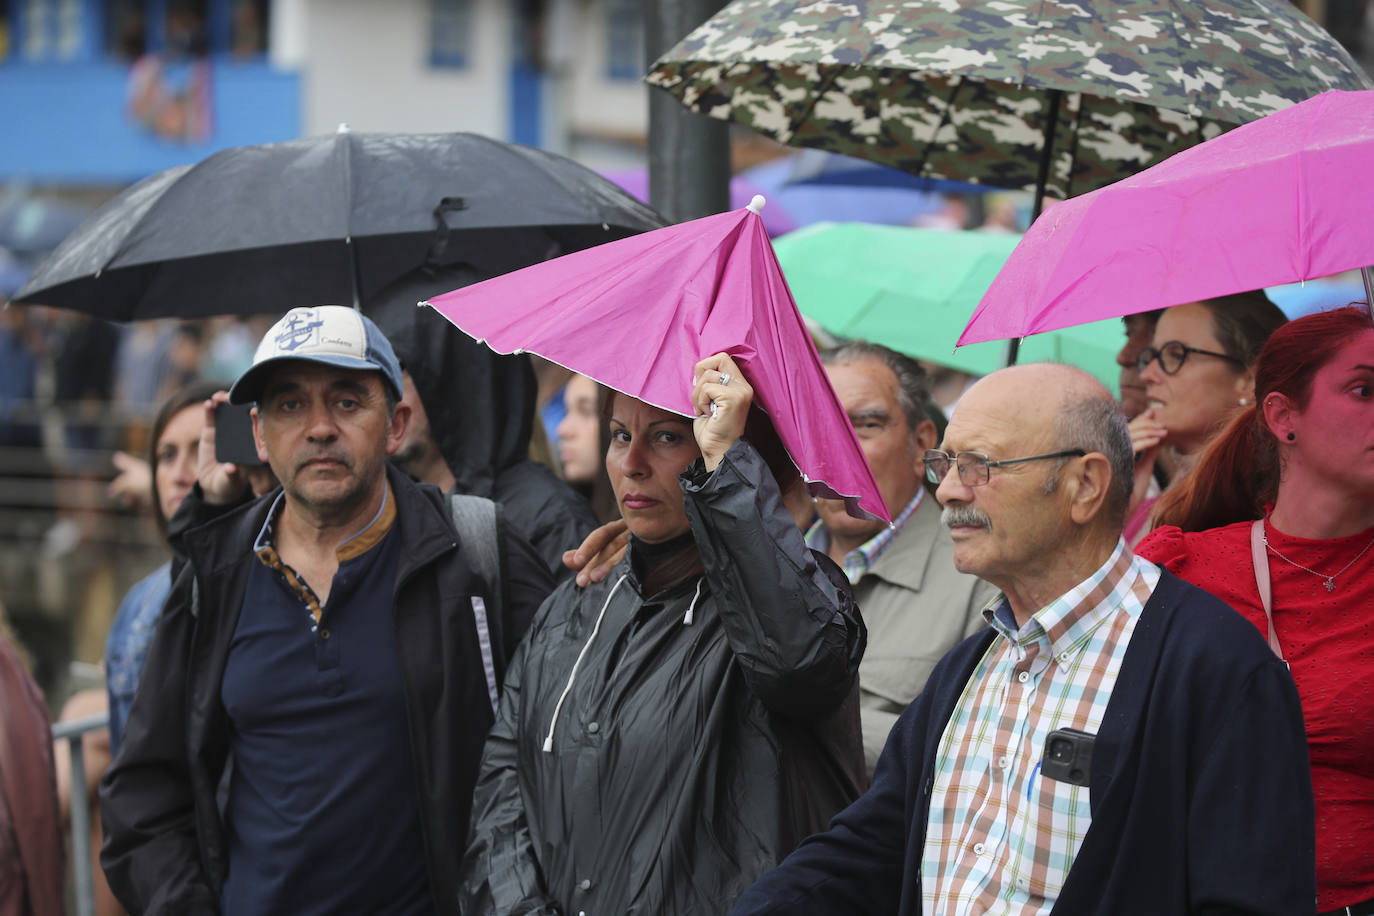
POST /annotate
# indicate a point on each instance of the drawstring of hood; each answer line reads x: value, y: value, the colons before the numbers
x: 572, y: 675
x: 687, y: 618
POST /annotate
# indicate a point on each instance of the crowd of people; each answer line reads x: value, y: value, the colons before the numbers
x: 1109, y: 656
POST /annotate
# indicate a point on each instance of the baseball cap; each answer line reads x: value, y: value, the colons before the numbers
x: 331, y: 334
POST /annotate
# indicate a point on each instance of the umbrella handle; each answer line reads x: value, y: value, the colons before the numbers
x: 1367, y: 274
x: 434, y: 257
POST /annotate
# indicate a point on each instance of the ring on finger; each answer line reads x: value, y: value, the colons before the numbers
x: 725, y: 378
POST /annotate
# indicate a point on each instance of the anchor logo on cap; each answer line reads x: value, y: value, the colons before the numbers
x: 298, y: 331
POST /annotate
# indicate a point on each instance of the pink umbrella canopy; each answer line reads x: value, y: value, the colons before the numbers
x: 1278, y: 200
x: 637, y: 314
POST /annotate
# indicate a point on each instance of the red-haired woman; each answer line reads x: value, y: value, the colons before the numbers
x: 1291, y: 482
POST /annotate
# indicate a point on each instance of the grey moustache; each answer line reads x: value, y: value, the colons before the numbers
x: 964, y: 516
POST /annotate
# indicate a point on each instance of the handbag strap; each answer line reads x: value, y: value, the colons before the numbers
x: 1261, y: 561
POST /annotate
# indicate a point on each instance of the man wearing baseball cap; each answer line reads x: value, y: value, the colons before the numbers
x: 338, y: 641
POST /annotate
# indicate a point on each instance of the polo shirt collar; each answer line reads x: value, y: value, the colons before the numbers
x: 352, y: 547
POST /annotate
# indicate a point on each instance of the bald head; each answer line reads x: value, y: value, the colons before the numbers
x: 1048, y: 407
x: 1034, y: 392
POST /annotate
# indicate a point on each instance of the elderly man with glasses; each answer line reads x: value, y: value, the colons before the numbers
x: 1115, y: 743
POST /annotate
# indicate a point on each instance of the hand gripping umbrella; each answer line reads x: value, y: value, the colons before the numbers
x: 637, y: 314
x: 1279, y: 200
x: 261, y: 229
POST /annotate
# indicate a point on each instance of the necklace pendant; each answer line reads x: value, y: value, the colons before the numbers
x: 1331, y: 583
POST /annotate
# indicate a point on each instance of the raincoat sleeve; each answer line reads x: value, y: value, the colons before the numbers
x: 151, y: 855
x: 795, y: 632
x: 500, y: 874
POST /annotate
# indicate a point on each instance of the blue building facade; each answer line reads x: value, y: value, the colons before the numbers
x: 106, y: 92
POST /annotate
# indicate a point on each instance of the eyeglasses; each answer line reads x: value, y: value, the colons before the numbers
x: 1172, y: 355
x: 974, y: 467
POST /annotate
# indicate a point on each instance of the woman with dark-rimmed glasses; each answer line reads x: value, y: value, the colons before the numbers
x: 1197, y: 372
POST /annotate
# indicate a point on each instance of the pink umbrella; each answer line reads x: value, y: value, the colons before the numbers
x: 1278, y: 200
x: 637, y: 314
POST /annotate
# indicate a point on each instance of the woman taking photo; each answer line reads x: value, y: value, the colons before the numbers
x: 1291, y: 483
x: 668, y: 734
x: 1197, y: 372
x: 172, y: 464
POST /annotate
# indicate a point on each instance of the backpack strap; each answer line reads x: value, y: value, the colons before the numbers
x: 476, y: 521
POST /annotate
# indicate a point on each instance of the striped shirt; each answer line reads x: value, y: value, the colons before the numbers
x: 1001, y: 838
x: 861, y: 559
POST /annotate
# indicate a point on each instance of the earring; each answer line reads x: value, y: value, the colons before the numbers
x: 1292, y: 436
x: 1244, y: 401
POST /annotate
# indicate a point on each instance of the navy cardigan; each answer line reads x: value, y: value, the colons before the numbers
x: 1200, y: 791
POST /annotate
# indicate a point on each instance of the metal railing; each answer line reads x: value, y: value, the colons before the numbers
x: 73, y: 732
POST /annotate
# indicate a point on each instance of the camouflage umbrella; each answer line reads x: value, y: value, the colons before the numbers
x: 970, y: 89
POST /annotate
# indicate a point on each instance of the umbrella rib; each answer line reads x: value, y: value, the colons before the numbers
x: 814, y: 99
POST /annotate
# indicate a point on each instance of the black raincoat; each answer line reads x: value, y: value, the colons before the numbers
x: 708, y: 728
x: 482, y: 413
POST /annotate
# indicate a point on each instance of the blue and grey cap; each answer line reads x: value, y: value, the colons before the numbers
x: 332, y: 334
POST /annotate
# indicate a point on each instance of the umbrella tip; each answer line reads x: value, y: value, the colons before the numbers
x: 343, y: 128
x: 756, y: 205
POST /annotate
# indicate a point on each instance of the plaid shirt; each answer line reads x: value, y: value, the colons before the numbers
x: 859, y: 560
x: 1001, y: 838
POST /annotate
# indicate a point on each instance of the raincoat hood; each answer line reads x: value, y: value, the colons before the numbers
x: 480, y: 405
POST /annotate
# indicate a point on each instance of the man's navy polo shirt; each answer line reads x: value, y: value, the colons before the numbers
x: 322, y: 814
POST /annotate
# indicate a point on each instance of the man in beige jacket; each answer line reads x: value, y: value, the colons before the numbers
x: 915, y: 603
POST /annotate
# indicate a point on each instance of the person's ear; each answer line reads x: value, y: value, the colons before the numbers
x: 1088, y: 482
x: 258, y: 441
x: 1245, y: 388
x: 396, y: 429
x: 1279, y: 414
x: 924, y: 438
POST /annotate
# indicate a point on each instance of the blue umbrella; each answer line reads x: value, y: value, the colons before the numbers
x: 815, y: 166
x: 809, y: 203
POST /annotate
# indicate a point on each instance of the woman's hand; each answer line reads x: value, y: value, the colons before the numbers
x: 1147, y: 435
x: 721, y: 396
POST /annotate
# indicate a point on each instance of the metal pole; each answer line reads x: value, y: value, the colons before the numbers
x: 74, y: 732
x: 689, y: 153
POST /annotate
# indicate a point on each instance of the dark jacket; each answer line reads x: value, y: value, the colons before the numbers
x: 1200, y: 792
x: 687, y: 758
x: 481, y: 410
x: 165, y: 848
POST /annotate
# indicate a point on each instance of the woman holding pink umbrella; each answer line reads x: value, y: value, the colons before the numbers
x: 1300, y: 459
x: 668, y: 734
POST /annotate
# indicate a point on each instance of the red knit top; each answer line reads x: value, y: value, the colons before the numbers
x: 1328, y: 640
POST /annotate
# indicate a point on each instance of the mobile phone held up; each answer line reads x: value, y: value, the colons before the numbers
x: 234, y: 435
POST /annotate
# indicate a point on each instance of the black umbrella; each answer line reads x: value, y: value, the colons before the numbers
x: 260, y: 229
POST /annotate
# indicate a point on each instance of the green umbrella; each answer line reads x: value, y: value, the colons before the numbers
x: 914, y: 290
